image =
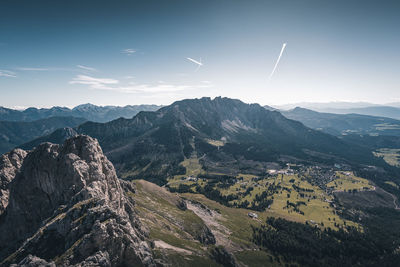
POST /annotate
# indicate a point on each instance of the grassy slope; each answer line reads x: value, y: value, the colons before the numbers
x: 390, y: 155
x: 317, y: 207
x: 240, y: 226
x: 157, y: 209
x: 347, y: 181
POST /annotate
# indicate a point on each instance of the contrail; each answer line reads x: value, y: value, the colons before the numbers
x: 277, y: 62
x: 196, y: 62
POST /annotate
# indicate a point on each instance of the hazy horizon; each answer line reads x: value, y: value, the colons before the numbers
x: 344, y: 104
x: 134, y: 52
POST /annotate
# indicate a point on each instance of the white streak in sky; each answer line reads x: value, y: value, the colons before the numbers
x: 96, y: 83
x: 128, y: 51
x: 33, y: 69
x: 86, y: 68
x: 44, y: 69
x: 134, y: 88
x: 195, y: 62
x: 277, y: 62
x: 7, y: 73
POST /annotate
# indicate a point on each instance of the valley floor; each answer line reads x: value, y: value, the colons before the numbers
x: 196, y: 215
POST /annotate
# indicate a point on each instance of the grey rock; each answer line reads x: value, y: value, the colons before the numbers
x: 10, y: 163
x: 181, y: 204
x: 33, y: 261
x: 222, y: 256
x: 67, y: 205
x: 205, y: 236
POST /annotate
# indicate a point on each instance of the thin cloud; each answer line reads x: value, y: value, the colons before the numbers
x: 128, y: 51
x: 7, y: 73
x: 153, y: 88
x: 33, y: 69
x: 86, y: 68
x: 94, y: 83
x: 44, y: 69
x: 114, y: 85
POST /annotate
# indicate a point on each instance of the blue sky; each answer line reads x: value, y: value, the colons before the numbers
x: 133, y: 52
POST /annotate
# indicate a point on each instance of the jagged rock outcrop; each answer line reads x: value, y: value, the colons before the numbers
x: 222, y: 256
x: 33, y: 261
x: 205, y: 236
x: 67, y: 207
x: 10, y: 163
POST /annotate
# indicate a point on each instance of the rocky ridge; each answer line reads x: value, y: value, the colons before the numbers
x: 64, y: 205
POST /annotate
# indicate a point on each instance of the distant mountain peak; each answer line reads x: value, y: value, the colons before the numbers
x: 302, y: 110
x: 85, y: 106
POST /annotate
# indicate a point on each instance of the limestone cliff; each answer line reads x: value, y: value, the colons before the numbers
x: 66, y: 206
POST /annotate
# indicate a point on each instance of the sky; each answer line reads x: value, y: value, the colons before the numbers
x: 66, y: 53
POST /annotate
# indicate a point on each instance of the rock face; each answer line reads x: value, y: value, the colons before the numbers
x: 67, y: 207
x: 222, y: 256
x: 10, y: 163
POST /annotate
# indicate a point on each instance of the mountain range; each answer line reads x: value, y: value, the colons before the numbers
x: 380, y: 111
x: 327, y: 105
x: 203, y: 182
x: 63, y: 205
x: 86, y: 111
x: 152, y: 144
x: 18, y: 127
x: 14, y: 133
x: 343, y: 124
x: 390, y: 110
